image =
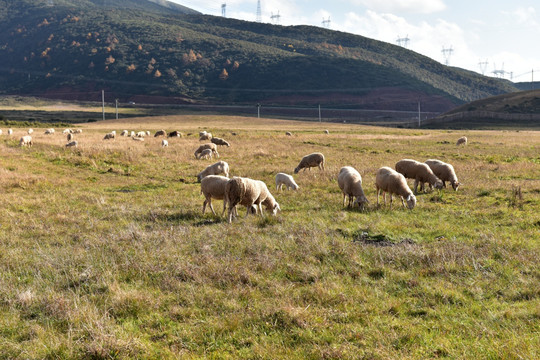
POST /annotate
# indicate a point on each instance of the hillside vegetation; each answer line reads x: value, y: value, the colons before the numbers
x: 105, y: 252
x: 132, y: 47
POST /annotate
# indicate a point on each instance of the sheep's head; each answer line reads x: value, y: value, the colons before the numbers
x: 361, y: 201
x: 296, y: 170
x: 411, y: 201
x: 455, y: 185
x: 438, y: 184
x: 275, y: 209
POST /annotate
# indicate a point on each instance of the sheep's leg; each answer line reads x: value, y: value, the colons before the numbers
x: 402, y: 201
x: 415, y: 187
x: 378, y: 192
x: 261, y: 209
x: 224, y: 206
x: 344, y: 199
x: 204, y: 206
x: 211, y: 207
x: 391, y: 199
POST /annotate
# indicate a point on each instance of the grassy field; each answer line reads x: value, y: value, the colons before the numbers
x: 105, y: 254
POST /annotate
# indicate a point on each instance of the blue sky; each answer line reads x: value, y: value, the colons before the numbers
x: 501, y: 33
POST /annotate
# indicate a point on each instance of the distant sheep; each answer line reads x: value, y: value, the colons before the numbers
x: 30, y: 131
x: 49, y: 131
x: 147, y: 133
x: 201, y: 133
x: 160, y: 133
x: 213, y: 187
x: 136, y: 138
x: 288, y: 133
x: 67, y: 131
x: 73, y: 143
x: 26, y: 140
x: 249, y: 193
x: 219, y: 141
x: 77, y: 131
x: 287, y: 180
x: 420, y: 172
x: 111, y: 135
x: 221, y: 167
x: 140, y: 134
x: 205, y: 154
x: 462, y: 141
x: 309, y: 161
x: 1, y: 132
x: 390, y: 181
x: 69, y: 136
x: 175, y: 134
x: 205, y: 136
x: 350, y: 183
x: 124, y: 133
x: 132, y: 134
x: 326, y: 131
x: 164, y: 143
x: 10, y: 132
x: 444, y: 171
x: 210, y: 146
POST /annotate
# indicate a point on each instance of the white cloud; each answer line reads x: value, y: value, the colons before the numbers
x: 411, y: 6
x: 524, y: 16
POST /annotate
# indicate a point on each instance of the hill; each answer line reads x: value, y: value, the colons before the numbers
x: 74, y: 49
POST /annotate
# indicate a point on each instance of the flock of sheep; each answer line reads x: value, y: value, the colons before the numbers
x: 254, y: 194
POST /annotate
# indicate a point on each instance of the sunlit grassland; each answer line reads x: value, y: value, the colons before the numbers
x: 104, y: 251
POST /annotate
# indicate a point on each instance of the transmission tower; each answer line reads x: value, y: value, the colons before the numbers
x: 403, y: 41
x: 483, y: 66
x: 447, y: 52
x: 258, y: 16
x: 501, y: 73
x: 326, y: 22
x: 275, y: 17
x: 223, y: 9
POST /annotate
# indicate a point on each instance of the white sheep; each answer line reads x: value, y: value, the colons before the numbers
x: 141, y: 134
x: 77, y: 131
x: 30, y: 131
x: 164, y: 143
x: 10, y: 131
x: 67, y: 131
x: 111, y: 135
x: 148, y: 132
x: 210, y: 146
x: 26, y: 140
x: 213, y: 187
x: 219, y: 141
x: 132, y: 133
x: 462, y: 141
x: 350, y: 183
x: 124, y: 133
x: 444, y: 171
x: 201, y: 133
x: 205, y: 136
x: 69, y: 136
x: 73, y: 143
x: 309, y: 161
x: 420, y: 172
x: 249, y: 193
x: 49, y: 131
x: 326, y: 131
x: 1, y: 132
x: 221, y: 167
x: 287, y: 180
x: 288, y: 133
x: 205, y: 154
x: 390, y: 181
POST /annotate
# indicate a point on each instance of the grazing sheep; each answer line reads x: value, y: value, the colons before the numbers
x: 10, y: 131
x: 164, y: 143
x: 26, y: 140
x: 67, y: 131
x: 77, y: 131
x: 287, y: 180
x: 205, y: 136
x: 234, y: 133
x: 288, y: 133
x: 175, y: 133
x: 111, y: 135
x: 250, y: 193
x: 69, y: 136
x: 147, y: 133
x: 326, y: 131
x: 141, y: 134
x: 132, y: 133
x: 73, y: 143
x: 444, y: 171
x: 124, y: 133
x: 138, y: 138
x: 219, y: 141
x: 213, y: 186
x: 350, y: 183
x: 205, y: 154
x: 1, y: 131
x: 420, y: 172
x: 210, y: 146
x: 309, y: 161
x: 462, y: 141
x: 390, y: 181
x: 201, y: 133
x: 160, y: 133
x: 49, y: 131
x: 30, y: 131
x: 221, y: 167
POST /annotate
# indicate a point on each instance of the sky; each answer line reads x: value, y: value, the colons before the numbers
x: 479, y: 35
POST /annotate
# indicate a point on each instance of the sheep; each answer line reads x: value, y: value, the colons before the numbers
x: 288, y: 133
x: 160, y: 133
x: 124, y: 133
x: 67, y: 131
x: 10, y: 131
x: 221, y: 167
x: 49, y: 131
x: 138, y: 138
x: 444, y: 171
x: 164, y: 143
x: 111, y: 135
x: 389, y: 180
x: 205, y: 136
x: 213, y: 186
x: 309, y: 161
x: 462, y: 141
x: 201, y: 133
x: 350, y: 183
x: 206, y: 154
x: 175, y: 134
x: 219, y: 141
x: 77, y: 131
x: 69, y: 136
x: 210, y: 146
x: 250, y: 193
x: 30, y: 131
x: 140, y: 134
x: 326, y: 131
x: 420, y: 172
x: 73, y: 143
x: 132, y: 133
x: 147, y: 132
x: 26, y: 140
x: 1, y: 132
x: 287, y: 180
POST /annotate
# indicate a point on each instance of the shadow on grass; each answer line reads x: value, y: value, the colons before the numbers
x: 195, y: 218
x: 379, y: 240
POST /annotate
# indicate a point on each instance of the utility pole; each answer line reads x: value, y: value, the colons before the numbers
x: 532, y: 79
x: 419, y: 116
x: 103, y: 103
x: 319, y: 112
x: 258, y: 111
x: 223, y: 9
x: 116, y: 109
